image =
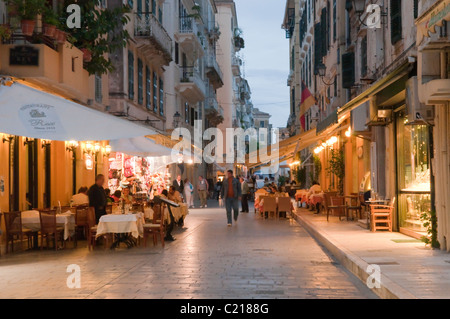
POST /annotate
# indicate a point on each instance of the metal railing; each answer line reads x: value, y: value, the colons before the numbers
x: 190, y: 74
x: 188, y: 25
x: 211, y: 62
x: 147, y: 25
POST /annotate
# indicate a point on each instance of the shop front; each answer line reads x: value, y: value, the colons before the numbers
x: 413, y: 175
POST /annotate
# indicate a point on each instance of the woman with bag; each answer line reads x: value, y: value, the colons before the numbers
x: 189, y: 193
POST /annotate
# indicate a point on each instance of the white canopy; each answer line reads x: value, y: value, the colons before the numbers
x: 139, y: 146
x: 25, y: 111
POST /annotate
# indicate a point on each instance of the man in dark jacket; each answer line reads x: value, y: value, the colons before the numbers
x: 179, y: 185
x: 97, y: 197
x: 231, y: 194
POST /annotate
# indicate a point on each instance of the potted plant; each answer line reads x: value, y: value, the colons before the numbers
x: 27, y: 10
x: 50, y: 22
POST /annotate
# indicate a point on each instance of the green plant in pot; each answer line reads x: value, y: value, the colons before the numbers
x: 27, y: 10
x: 50, y: 22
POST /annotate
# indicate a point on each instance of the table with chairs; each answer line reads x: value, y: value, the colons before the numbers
x: 272, y: 205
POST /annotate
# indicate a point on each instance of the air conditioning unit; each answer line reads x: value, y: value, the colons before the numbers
x: 417, y: 112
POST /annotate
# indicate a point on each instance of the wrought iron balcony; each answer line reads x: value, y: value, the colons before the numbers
x: 152, y: 37
x: 191, y: 86
x: 213, y: 71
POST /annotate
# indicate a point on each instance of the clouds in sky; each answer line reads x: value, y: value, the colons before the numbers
x: 266, y: 56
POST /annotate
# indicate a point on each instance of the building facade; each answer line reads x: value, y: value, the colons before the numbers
x: 370, y: 76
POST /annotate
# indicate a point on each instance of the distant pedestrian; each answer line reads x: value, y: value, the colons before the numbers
x: 245, y: 191
x: 189, y: 193
x: 202, y: 188
x: 178, y: 184
x: 231, y: 194
x: 97, y: 197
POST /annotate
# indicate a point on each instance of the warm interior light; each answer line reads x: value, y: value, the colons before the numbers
x: 108, y: 149
x: 88, y: 146
x: 97, y: 147
x: 348, y: 132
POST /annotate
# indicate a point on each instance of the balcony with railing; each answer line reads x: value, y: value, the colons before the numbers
x: 213, y: 111
x: 213, y: 71
x: 236, y: 63
x: 189, y: 37
x: 191, y: 86
x: 152, y: 38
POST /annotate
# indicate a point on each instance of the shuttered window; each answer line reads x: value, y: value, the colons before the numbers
x: 155, y: 92
x: 396, y: 20
x: 98, y: 88
x: 130, y: 75
x: 416, y: 9
x: 140, y: 82
x: 324, y: 32
x: 161, y: 96
x: 148, y: 88
x: 334, y: 20
x: 364, y: 56
x: 317, y: 47
x: 348, y: 70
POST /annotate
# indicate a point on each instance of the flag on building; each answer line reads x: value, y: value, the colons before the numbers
x: 306, y: 101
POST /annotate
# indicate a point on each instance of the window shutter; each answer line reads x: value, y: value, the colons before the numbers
x: 130, y: 75
x: 317, y: 46
x: 416, y: 9
x: 364, y: 56
x: 324, y: 31
x: 396, y: 20
x: 140, y: 82
x: 348, y: 70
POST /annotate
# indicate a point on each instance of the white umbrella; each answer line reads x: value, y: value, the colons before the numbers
x: 25, y: 111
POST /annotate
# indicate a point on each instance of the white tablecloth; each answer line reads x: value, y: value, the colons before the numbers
x: 30, y: 220
x: 119, y: 224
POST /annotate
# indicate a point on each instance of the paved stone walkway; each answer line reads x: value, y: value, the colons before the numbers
x: 253, y: 259
x: 417, y: 269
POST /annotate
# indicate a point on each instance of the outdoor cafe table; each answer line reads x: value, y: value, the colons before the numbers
x: 31, y: 220
x: 121, y: 224
x: 316, y: 199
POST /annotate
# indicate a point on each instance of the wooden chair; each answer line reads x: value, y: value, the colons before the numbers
x: 50, y: 229
x: 270, y: 206
x: 338, y: 205
x: 92, y: 228
x: 108, y: 209
x: 81, y: 222
x: 355, y: 205
x: 15, y: 230
x: 381, y: 216
x: 327, y: 202
x: 284, y: 205
x: 138, y: 208
x: 156, y: 228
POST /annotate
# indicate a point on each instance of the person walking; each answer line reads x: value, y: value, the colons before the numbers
x: 189, y: 193
x: 231, y: 194
x: 202, y: 188
x: 245, y: 190
x: 97, y: 197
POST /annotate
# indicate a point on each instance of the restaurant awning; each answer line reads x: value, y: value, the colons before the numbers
x: 139, y: 146
x: 26, y: 111
x: 432, y: 18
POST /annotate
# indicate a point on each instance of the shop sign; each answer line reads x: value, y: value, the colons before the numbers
x: 24, y: 55
x: 38, y: 118
x: 432, y: 18
x: 89, y: 162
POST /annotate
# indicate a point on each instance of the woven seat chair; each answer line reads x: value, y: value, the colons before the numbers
x: 50, y: 229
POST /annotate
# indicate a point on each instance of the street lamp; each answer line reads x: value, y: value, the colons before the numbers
x: 176, y: 119
x: 321, y: 71
x: 360, y: 6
